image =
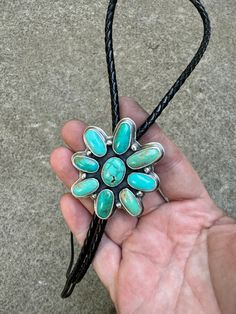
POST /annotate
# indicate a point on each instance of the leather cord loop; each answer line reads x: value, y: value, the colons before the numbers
x: 97, y: 226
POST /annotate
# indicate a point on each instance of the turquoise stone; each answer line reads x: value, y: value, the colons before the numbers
x: 130, y: 202
x: 142, y: 182
x: 95, y: 142
x: 144, y: 157
x: 85, y: 163
x: 85, y: 188
x: 113, y: 171
x: 104, y: 204
x: 122, y: 138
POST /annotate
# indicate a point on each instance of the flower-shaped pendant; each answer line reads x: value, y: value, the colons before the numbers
x: 116, y: 171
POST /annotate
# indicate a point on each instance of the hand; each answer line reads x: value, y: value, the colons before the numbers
x: 173, y: 258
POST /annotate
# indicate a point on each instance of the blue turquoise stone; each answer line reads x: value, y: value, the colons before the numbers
x: 142, y: 182
x: 85, y: 163
x: 130, y: 202
x: 122, y: 138
x: 95, y: 142
x: 104, y: 204
x: 144, y: 157
x: 85, y: 188
x: 113, y: 171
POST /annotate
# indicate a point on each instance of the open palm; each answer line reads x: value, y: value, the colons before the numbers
x: 159, y: 262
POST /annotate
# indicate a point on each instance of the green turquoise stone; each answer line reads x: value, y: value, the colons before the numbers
x: 95, y: 142
x: 130, y: 202
x: 113, y: 171
x: 142, y: 182
x: 85, y: 188
x: 85, y: 163
x: 144, y: 157
x: 122, y: 138
x: 104, y: 204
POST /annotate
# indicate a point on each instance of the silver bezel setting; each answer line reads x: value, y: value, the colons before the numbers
x: 112, y: 208
x: 138, y: 200
x: 134, y: 146
x: 101, y: 134
x: 156, y: 179
x: 145, y: 146
x: 82, y: 154
x: 133, y: 133
x: 81, y: 178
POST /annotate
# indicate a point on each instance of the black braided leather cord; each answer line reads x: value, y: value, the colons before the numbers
x: 186, y: 73
x: 94, y: 246
x: 97, y: 226
x: 115, y: 109
x: 93, y: 238
x: 94, y: 235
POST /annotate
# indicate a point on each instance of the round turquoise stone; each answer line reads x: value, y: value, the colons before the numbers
x: 113, y: 172
x: 142, y: 182
x: 104, y: 204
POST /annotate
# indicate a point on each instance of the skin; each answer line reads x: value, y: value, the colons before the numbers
x: 178, y: 257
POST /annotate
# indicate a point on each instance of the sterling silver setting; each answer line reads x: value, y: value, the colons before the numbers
x: 133, y: 147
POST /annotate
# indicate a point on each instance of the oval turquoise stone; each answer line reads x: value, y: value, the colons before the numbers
x: 95, y: 142
x: 104, y: 204
x: 85, y: 163
x: 122, y: 138
x: 85, y: 188
x: 113, y: 171
x: 130, y: 202
x: 144, y: 157
x: 142, y: 182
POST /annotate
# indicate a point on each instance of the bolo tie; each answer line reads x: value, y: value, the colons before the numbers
x: 116, y: 171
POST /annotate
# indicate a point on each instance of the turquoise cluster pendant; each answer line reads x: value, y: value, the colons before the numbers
x: 116, y: 171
